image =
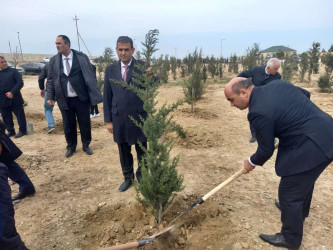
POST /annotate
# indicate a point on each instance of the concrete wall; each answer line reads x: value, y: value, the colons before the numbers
x: 26, y: 57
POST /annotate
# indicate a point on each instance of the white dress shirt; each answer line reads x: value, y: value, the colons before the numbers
x: 70, y: 90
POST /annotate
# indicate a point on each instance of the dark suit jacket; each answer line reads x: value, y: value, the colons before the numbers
x: 10, y: 152
x: 54, y: 88
x: 10, y: 81
x: 259, y: 76
x: 305, y: 132
x: 42, y: 76
x: 121, y: 103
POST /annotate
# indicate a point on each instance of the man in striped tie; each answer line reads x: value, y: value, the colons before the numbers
x: 119, y: 105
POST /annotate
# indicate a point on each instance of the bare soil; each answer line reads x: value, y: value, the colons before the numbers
x: 78, y: 205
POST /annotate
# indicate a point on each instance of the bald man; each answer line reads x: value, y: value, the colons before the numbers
x: 261, y: 75
x: 279, y: 109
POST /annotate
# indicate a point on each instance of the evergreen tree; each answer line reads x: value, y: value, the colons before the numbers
x: 313, y: 59
x: 252, y: 57
x: 330, y: 49
x: 280, y: 54
x: 289, y: 67
x: 204, y: 73
x: 101, y: 63
x: 194, y: 87
x: 173, y: 62
x: 212, y: 66
x: 220, y: 68
x: 304, y: 65
x: 160, y: 179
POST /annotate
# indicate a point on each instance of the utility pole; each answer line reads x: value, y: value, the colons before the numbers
x: 77, y: 31
x: 18, y: 35
x: 10, y: 47
x: 221, y: 47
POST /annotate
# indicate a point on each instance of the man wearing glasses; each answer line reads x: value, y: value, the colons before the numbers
x: 11, y: 100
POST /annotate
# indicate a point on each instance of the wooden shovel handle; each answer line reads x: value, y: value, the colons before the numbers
x: 226, y: 182
x: 129, y: 245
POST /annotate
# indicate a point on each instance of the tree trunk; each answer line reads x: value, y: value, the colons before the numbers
x: 160, y: 213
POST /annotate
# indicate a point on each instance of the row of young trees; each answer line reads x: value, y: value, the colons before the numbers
x: 160, y: 179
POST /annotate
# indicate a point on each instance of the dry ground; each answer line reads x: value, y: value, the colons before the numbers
x: 78, y: 205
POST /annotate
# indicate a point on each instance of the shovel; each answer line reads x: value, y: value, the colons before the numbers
x: 141, y: 243
x: 210, y: 193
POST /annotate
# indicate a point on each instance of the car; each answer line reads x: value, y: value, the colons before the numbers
x: 33, y: 68
x: 19, y: 69
x: 46, y: 59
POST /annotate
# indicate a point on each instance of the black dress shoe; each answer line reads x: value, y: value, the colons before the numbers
x: 277, y: 204
x: 88, y: 150
x: 10, y: 134
x: 125, y: 185
x: 277, y: 240
x: 20, y: 134
x: 253, y: 139
x: 70, y: 153
x: 22, y: 195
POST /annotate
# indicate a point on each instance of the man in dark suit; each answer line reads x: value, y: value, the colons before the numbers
x: 10, y: 152
x: 261, y: 75
x: 305, y: 133
x: 48, y: 109
x: 119, y: 105
x: 72, y: 83
x: 11, y: 99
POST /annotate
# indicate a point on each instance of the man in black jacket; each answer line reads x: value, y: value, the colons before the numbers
x: 11, y: 99
x: 48, y: 109
x: 279, y: 109
x: 261, y: 75
x: 119, y: 105
x: 72, y: 83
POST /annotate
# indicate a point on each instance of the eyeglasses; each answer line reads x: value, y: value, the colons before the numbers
x: 124, y: 49
x: 3, y: 61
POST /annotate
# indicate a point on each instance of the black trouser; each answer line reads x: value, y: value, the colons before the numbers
x: 79, y: 111
x: 295, y: 194
x: 7, y: 116
x: 94, y: 109
x: 126, y: 159
x: 17, y: 174
x: 9, y: 238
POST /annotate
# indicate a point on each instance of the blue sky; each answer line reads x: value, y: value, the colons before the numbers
x: 183, y: 25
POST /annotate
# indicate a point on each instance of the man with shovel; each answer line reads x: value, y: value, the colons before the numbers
x: 305, y: 134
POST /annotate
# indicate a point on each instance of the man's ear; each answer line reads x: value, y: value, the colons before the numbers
x: 242, y: 92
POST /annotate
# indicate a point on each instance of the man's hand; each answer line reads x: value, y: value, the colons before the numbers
x: 9, y: 95
x: 50, y: 102
x: 109, y: 127
x: 42, y: 93
x: 247, y: 166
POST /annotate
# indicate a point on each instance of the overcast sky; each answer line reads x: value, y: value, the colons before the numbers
x: 183, y: 24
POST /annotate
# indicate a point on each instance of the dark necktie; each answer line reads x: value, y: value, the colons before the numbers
x: 68, y: 67
x: 125, y: 73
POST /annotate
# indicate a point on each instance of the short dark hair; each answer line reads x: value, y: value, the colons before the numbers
x: 66, y: 39
x: 125, y: 39
x: 1, y: 57
x: 244, y: 84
